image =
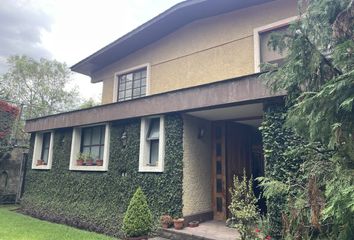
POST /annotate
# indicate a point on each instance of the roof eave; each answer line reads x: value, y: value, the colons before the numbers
x: 166, y: 21
x: 227, y: 92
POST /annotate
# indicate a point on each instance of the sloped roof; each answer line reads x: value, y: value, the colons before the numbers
x: 158, y: 27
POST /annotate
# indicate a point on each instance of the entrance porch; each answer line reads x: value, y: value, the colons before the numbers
x: 219, y: 143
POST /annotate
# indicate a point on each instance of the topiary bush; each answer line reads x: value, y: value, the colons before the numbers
x: 138, y: 218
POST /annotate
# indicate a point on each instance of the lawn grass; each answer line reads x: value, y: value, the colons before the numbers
x: 15, y: 226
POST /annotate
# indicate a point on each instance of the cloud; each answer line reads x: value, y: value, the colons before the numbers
x: 21, y: 26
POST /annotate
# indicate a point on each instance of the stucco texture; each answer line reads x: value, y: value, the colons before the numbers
x: 203, y: 51
x: 196, y: 167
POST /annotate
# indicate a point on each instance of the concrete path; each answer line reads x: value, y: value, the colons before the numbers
x: 211, y: 230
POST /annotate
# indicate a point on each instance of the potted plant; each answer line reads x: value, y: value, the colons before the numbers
x: 138, y: 221
x: 80, y: 159
x: 89, y: 160
x: 40, y: 162
x: 178, y: 223
x: 99, y: 162
x: 166, y: 221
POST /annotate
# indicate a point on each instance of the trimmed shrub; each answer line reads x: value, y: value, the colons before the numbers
x: 138, y: 218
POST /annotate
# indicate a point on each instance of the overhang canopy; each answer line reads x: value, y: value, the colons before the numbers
x: 229, y: 92
x: 158, y: 27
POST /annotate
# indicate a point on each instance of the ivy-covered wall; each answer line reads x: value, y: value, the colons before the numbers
x: 98, y: 200
x: 280, y: 161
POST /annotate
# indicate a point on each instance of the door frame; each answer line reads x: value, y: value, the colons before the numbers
x: 218, y: 176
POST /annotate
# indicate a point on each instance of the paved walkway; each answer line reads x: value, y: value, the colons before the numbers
x: 210, y: 230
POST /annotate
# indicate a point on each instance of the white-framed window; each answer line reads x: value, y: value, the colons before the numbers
x: 131, y: 83
x: 90, y: 148
x: 43, y: 150
x: 261, y: 36
x: 152, y: 144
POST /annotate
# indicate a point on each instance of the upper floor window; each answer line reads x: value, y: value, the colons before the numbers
x: 90, y: 148
x: 132, y: 85
x: 262, y: 52
x: 43, y: 150
x: 267, y: 54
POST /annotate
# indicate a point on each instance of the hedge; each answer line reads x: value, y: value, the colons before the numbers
x: 97, y: 200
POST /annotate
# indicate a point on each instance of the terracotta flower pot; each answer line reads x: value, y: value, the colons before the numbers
x: 79, y: 162
x: 193, y: 224
x: 166, y: 221
x: 40, y: 162
x: 89, y: 162
x: 99, y: 162
x: 178, y: 223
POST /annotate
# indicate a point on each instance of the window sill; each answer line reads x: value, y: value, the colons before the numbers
x: 89, y: 168
x: 41, y: 167
x: 151, y: 165
x: 150, y: 168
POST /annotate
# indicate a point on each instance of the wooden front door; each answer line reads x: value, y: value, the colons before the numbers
x: 231, y: 153
x: 238, y: 154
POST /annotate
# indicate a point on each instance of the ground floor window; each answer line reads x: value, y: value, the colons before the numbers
x: 43, y: 150
x: 92, y: 142
x: 152, y: 144
x: 90, y: 148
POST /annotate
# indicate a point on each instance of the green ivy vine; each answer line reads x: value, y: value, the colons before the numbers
x: 97, y: 201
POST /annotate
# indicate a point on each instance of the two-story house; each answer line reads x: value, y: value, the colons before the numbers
x: 181, y: 105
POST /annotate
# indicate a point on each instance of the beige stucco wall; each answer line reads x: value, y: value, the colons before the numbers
x: 203, y: 51
x: 196, y: 167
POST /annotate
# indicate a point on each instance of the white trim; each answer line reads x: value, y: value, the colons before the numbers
x: 266, y: 28
x: 37, y: 151
x: 145, y: 146
x: 75, y: 149
x: 125, y: 71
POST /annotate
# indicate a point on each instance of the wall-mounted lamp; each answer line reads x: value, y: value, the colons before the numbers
x: 123, y: 138
x: 201, y: 132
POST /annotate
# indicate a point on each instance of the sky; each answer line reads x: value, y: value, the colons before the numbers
x: 70, y: 30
